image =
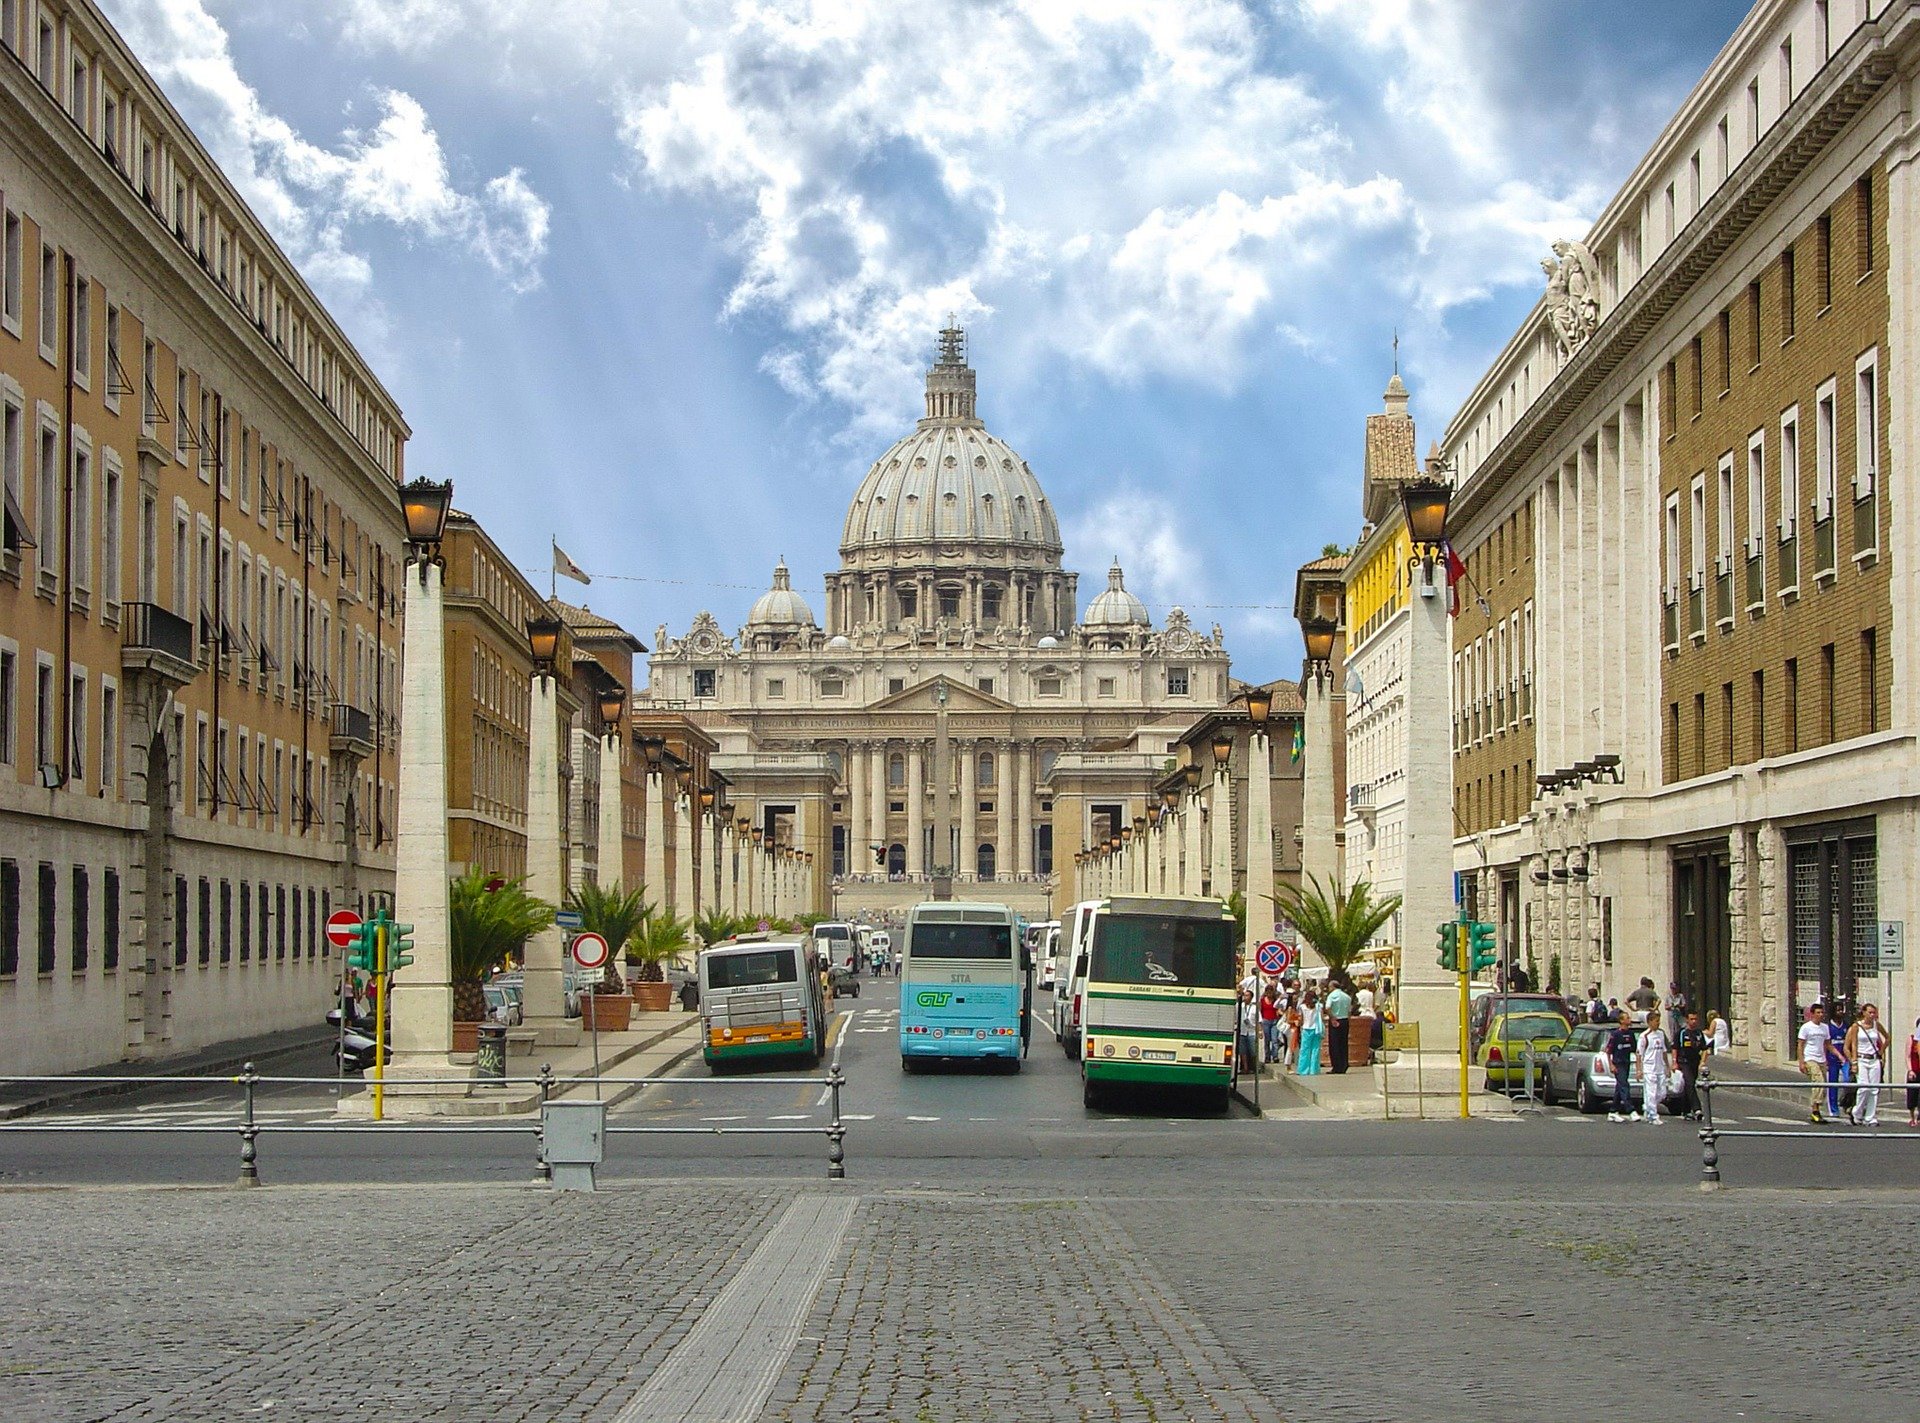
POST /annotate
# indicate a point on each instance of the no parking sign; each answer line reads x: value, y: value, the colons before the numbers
x: 1274, y: 957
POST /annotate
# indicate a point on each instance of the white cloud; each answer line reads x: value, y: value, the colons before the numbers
x: 1145, y: 532
x: 310, y: 196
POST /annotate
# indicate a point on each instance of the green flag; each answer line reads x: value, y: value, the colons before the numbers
x: 1299, y: 743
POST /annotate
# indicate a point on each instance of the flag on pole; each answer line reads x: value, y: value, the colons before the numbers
x: 1456, y: 570
x: 1299, y: 747
x: 567, y: 568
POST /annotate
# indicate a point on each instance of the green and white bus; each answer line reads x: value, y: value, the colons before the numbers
x: 760, y: 997
x: 1159, y: 1002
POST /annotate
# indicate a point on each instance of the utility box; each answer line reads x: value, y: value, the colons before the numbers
x: 574, y: 1135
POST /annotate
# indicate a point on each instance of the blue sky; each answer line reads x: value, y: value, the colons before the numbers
x: 660, y: 277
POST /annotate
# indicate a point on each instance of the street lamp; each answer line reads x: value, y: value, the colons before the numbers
x: 1319, y: 634
x: 1191, y: 774
x: 1139, y: 825
x: 1222, y: 747
x: 654, y: 749
x: 544, y: 634
x: 1126, y: 834
x: 1170, y: 797
x: 1425, y: 501
x: 424, y: 504
x: 1259, y: 705
x: 613, y: 701
x: 707, y: 798
x: 741, y: 825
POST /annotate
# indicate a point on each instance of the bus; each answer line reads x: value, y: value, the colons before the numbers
x: 1160, y: 998
x: 966, y: 985
x: 761, y: 997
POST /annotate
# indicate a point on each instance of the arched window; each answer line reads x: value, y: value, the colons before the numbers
x: 983, y: 858
x: 896, y: 771
x: 896, y: 859
x: 985, y: 774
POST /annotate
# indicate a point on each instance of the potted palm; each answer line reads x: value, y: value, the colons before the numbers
x: 487, y: 920
x: 1339, y: 924
x: 663, y: 936
x: 615, y: 915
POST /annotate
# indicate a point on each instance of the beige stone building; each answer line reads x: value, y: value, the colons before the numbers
x: 200, y: 548
x: 1685, y: 720
x: 927, y: 730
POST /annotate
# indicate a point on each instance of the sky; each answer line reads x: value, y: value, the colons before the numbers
x: 660, y: 279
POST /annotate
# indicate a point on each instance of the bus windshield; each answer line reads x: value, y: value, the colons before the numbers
x: 753, y: 970
x: 933, y: 939
x: 1163, y: 950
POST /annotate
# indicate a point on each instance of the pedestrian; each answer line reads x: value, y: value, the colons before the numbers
x: 1913, y: 1075
x: 1656, y: 1068
x: 1866, y: 1045
x: 1270, y: 1010
x: 1613, y: 1010
x: 1690, y: 1048
x: 1620, y: 1050
x: 1249, y: 1026
x: 1364, y: 1002
x: 1292, y: 1045
x: 1643, y: 1000
x: 1839, y: 1096
x: 1676, y: 1010
x: 1339, y: 1023
x: 1719, y: 1035
x: 1596, y: 1009
x: 1813, y: 1037
x: 1313, y: 1026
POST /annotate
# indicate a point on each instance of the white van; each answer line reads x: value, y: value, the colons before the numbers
x: 1075, y: 942
x: 1046, y: 946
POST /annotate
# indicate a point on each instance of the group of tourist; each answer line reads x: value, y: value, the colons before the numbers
x: 1846, y: 1064
x: 1303, y: 1029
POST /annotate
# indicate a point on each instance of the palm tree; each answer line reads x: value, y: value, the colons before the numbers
x: 616, y: 916
x: 713, y: 925
x: 487, y: 923
x: 660, y: 938
x: 1340, y: 925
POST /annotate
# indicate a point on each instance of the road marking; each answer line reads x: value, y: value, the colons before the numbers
x: 923, y: 1119
x: 794, y: 1117
x: 856, y: 1116
x: 723, y: 1119
x: 727, y: 1364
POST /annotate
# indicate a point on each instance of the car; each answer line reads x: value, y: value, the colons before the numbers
x: 1485, y: 1005
x: 1579, y: 1071
x: 503, y: 1003
x: 1503, y: 1053
x: 843, y: 980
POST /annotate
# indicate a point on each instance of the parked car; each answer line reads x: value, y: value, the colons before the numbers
x: 1485, y: 1005
x: 1579, y: 1071
x: 1503, y: 1053
x: 503, y: 1003
x: 843, y: 979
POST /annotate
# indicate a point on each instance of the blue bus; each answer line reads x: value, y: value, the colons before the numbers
x: 966, y: 985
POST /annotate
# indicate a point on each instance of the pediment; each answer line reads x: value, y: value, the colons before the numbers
x: 922, y: 697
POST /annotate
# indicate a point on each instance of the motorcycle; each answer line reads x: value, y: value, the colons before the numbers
x: 353, y: 1046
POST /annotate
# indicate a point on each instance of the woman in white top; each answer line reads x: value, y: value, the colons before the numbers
x: 1719, y: 1037
x: 1867, y: 1056
x: 1656, y: 1066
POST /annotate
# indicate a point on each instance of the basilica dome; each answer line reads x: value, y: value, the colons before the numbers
x: 780, y: 606
x: 1116, y: 607
x: 950, y: 480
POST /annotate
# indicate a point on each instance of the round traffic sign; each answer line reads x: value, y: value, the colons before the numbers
x: 589, y: 950
x: 1274, y: 957
x: 343, y: 926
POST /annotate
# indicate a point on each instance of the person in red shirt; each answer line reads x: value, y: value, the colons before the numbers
x: 1270, y: 1019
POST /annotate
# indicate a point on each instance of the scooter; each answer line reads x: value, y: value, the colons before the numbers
x: 352, y: 1046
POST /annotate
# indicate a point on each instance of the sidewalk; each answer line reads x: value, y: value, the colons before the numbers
x: 218, y: 1060
x: 1361, y: 1091
x: 652, y: 1046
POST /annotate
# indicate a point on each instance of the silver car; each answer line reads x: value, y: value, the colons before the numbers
x: 1580, y: 1072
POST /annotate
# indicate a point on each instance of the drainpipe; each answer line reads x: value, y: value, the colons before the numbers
x: 66, y: 539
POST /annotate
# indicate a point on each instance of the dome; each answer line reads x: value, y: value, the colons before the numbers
x: 950, y: 480
x: 839, y: 642
x: 780, y: 606
x: 1048, y: 643
x: 1116, y: 607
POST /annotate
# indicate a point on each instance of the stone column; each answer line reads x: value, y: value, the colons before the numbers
x: 684, y: 878
x: 916, y: 808
x: 877, y: 791
x: 1220, y: 824
x: 423, y: 991
x: 1004, y: 782
x: 656, y: 832
x: 1023, y: 822
x: 1428, y: 993
x: 1319, y: 856
x: 968, y: 860
x: 729, y: 900
x: 1192, y: 872
x: 613, y: 820
x: 1259, y: 838
x: 857, y: 797
x: 545, y: 996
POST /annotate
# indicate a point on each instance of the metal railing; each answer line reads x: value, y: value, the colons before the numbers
x: 250, y: 1128
x: 1711, y: 1134
x: 148, y: 627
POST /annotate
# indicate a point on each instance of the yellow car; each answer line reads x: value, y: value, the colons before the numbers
x: 1503, y: 1052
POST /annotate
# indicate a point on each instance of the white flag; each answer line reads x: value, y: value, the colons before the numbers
x: 567, y: 568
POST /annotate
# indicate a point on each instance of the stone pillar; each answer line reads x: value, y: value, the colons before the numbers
x: 857, y: 797
x: 1319, y: 855
x: 1220, y: 822
x: 916, y: 808
x: 685, y: 903
x: 422, y: 1002
x: 545, y: 996
x: 1259, y: 838
x: 1768, y: 1031
x: 877, y: 791
x: 1023, y: 808
x: 1428, y: 993
x: 1191, y: 872
x: 729, y: 895
x: 613, y: 821
x: 1004, y: 785
x: 968, y: 860
x: 656, y: 832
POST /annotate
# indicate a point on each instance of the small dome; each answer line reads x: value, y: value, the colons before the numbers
x: 839, y: 642
x: 1116, y: 607
x: 1048, y: 642
x: 780, y: 606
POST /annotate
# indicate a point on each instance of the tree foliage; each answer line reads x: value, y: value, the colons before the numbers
x: 1339, y: 923
x: 485, y: 925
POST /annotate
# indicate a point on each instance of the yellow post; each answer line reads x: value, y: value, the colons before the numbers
x: 1466, y: 1055
x: 385, y: 981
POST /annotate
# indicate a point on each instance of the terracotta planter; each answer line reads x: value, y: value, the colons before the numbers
x: 606, y: 1012
x: 652, y: 997
x: 466, y: 1036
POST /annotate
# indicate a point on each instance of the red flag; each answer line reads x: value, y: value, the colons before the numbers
x: 1456, y: 570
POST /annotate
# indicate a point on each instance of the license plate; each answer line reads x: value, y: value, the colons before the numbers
x: 1157, y: 1055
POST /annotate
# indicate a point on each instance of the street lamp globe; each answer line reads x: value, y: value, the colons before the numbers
x: 1170, y: 797
x: 1319, y: 634
x: 1222, y: 747
x: 1425, y: 501
x: 1259, y: 704
x: 1191, y: 774
x: 706, y: 798
x: 613, y: 701
x: 544, y: 634
x: 424, y: 503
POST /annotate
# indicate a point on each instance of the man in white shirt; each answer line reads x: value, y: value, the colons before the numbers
x: 1814, y: 1034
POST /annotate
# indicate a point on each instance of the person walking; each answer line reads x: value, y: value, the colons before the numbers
x: 1689, y: 1050
x: 1656, y: 1064
x: 1249, y: 1030
x: 1813, y: 1037
x: 1913, y: 1075
x: 1839, y: 1073
x: 1676, y: 1006
x: 1620, y: 1049
x: 1719, y: 1035
x: 1866, y: 1045
x: 1313, y: 1027
x: 1291, y: 1042
x: 1270, y: 1011
x: 1644, y: 1000
x: 1339, y: 1023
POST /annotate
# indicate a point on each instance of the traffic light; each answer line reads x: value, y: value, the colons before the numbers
x: 363, y: 952
x: 1449, y: 957
x: 399, y: 945
x: 1480, y: 950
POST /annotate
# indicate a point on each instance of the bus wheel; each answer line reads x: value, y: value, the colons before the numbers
x: 1090, y: 1093
x: 1220, y: 1099
x: 908, y: 1065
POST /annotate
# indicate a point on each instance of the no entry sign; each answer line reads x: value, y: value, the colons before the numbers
x: 343, y: 926
x: 590, y: 950
x: 1274, y: 957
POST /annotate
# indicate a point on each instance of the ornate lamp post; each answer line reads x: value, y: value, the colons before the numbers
x: 1192, y: 881
x: 613, y: 821
x: 1220, y: 816
x: 1259, y: 820
x: 422, y: 994
x: 545, y: 992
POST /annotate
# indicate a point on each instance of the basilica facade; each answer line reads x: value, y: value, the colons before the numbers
x: 957, y: 717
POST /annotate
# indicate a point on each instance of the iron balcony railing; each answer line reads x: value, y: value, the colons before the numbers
x: 352, y: 724
x: 148, y: 627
